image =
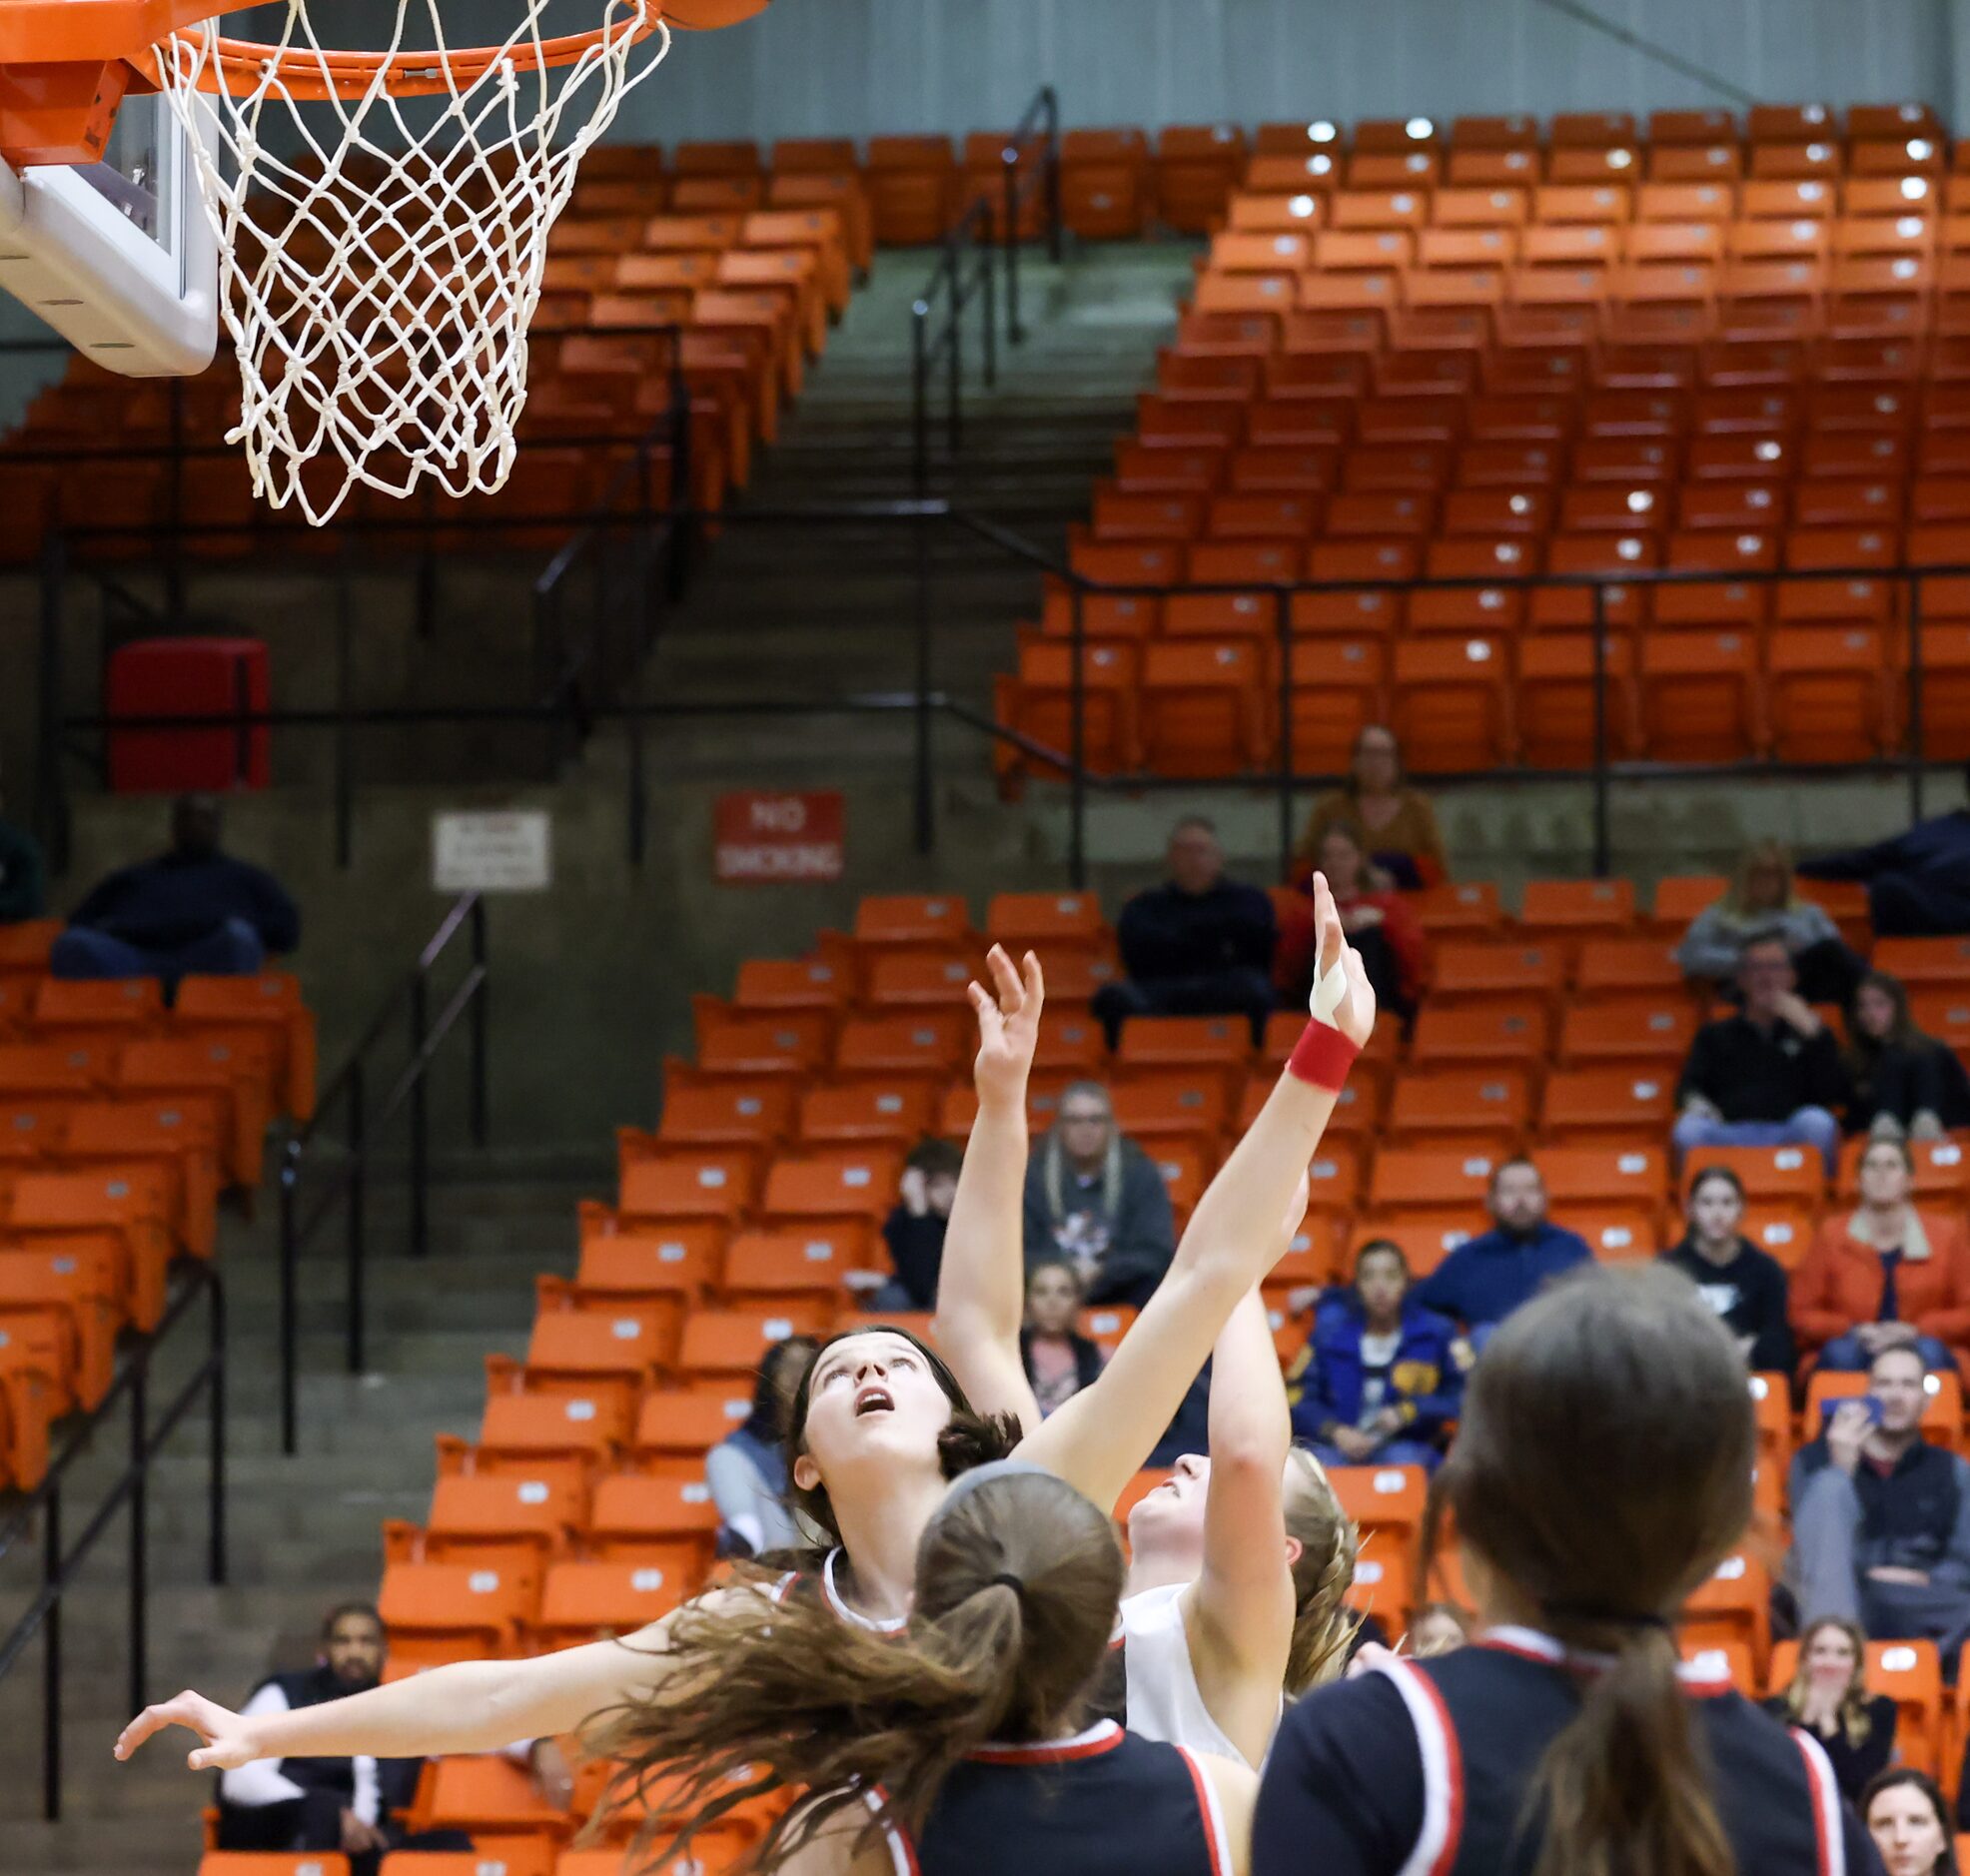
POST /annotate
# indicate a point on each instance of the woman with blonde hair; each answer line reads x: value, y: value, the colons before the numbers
x: 1828, y: 1698
x: 1763, y: 903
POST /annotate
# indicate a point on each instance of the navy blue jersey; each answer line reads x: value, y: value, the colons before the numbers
x: 1103, y: 1803
x: 1422, y: 1769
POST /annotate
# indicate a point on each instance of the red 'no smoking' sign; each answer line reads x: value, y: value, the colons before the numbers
x: 765, y: 839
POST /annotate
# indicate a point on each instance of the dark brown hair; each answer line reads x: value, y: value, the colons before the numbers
x: 1865, y: 1051
x: 1323, y: 1573
x: 971, y: 1439
x: 1945, y: 1864
x: 1017, y: 1584
x: 935, y: 1158
x: 1602, y: 1467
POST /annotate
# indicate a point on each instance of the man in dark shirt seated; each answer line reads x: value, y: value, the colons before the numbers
x: 1487, y: 1276
x: 1770, y: 1075
x: 1918, y: 883
x: 1881, y: 1518
x: 191, y: 911
x: 1199, y: 945
x: 346, y: 1805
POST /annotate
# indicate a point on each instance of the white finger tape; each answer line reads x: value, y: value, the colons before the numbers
x: 1328, y: 992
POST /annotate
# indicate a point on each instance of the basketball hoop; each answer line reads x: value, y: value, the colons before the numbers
x: 380, y: 259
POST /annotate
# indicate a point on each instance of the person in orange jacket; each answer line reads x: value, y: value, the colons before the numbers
x: 1885, y: 1275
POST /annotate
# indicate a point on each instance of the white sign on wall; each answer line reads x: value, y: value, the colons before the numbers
x: 498, y: 851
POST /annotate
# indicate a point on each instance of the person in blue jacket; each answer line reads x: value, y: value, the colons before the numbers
x: 1380, y: 1376
x: 1484, y: 1279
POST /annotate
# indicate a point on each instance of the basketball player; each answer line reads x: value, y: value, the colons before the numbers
x: 878, y: 1428
x: 1602, y: 1470
x: 1240, y: 1563
x: 959, y: 1748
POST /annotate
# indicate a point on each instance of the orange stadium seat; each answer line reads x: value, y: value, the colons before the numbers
x: 1607, y: 1105
x: 1485, y: 1107
x: 595, y: 1599
x: 1629, y: 1030
x: 1502, y: 1032
x: 272, y: 1863
x: 635, y: 1518
x: 451, y: 1611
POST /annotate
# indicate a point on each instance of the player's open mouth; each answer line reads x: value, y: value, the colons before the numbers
x: 874, y: 1400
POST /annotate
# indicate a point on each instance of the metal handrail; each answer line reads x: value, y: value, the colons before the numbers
x: 62, y: 1561
x: 985, y: 235
x: 348, y: 1181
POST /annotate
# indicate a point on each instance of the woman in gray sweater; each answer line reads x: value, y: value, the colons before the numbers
x: 1762, y: 903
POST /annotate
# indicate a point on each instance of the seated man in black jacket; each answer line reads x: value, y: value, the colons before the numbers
x: 1200, y: 945
x: 346, y: 1805
x: 191, y: 910
x: 1770, y: 1075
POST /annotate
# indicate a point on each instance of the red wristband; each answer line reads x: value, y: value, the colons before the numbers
x: 1321, y: 1055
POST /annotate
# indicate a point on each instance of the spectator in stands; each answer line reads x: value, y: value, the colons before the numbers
x: 1483, y: 1280
x: 1393, y: 823
x: 1905, y: 1814
x: 192, y: 910
x: 1198, y: 945
x: 23, y: 877
x: 1906, y: 1085
x: 1762, y: 904
x: 346, y: 1805
x: 914, y: 1232
x: 1059, y: 1360
x: 1881, y: 1518
x: 746, y: 1470
x: 1745, y: 1286
x: 1097, y: 1201
x: 1918, y: 883
x: 1380, y: 1376
x: 1886, y: 1275
x: 1768, y: 1076
x: 1381, y: 925
x: 1828, y: 1698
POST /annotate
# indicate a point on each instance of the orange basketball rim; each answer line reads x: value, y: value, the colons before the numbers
x: 66, y: 65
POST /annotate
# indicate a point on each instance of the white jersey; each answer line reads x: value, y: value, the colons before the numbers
x: 1164, y: 1698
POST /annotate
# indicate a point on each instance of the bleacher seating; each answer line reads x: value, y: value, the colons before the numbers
x: 119, y: 1124
x: 1488, y: 354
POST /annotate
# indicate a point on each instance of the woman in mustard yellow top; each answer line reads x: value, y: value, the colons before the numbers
x: 1392, y: 823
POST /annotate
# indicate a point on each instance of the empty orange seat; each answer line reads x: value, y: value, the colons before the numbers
x: 787, y: 1042
x: 1930, y: 963
x: 637, y: 1515
x: 233, y: 1064
x: 1505, y: 1032
x: 124, y: 1207
x: 1636, y: 1177
x: 1042, y: 919
x: 270, y: 1000
x: 919, y: 979
x: 728, y: 1344
x: 676, y: 1430
x: 61, y: 1306
x: 508, y: 1512
x: 845, y: 1183
x: 768, y: 1268
x: 1200, y: 712
x: 64, y: 1008
x: 675, y: 1258
x: 690, y: 1182
x: 1471, y: 968
x: 593, y: 1601
x: 519, y: 1429
x: 1184, y: 1040
x: 272, y: 1863
x: 897, y: 1110
x: 1626, y: 966
x: 926, y: 1042
x: 1791, y: 1173
x: 1733, y: 1605
x: 1470, y: 907
x: 790, y: 984
x: 1699, y: 696
x: 726, y: 1112
x: 623, y: 1348
x: 1488, y: 1106
x: 1555, y: 908
x: 1629, y: 1030
x: 914, y: 918
x: 1436, y: 1178
x: 1450, y: 700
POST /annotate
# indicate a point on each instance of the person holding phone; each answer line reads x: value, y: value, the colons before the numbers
x: 1881, y: 1517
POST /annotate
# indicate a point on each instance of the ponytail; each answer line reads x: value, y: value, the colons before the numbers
x: 1323, y: 1573
x: 795, y: 1698
x: 1017, y: 1581
x: 1626, y: 1786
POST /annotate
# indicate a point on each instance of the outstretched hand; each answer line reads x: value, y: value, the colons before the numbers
x: 1354, y: 1015
x: 225, y: 1742
x: 1008, y: 1026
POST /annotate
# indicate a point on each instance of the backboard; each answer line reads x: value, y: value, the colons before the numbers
x: 117, y: 256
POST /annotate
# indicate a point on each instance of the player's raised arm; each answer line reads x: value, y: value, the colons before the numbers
x: 981, y: 1284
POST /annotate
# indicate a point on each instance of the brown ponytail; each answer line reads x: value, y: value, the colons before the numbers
x: 1601, y: 1469
x: 1323, y: 1573
x: 1017, y: 1584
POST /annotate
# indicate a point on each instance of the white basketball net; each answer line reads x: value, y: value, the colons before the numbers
x: 380, y: 263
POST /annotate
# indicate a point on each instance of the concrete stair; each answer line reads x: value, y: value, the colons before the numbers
x: 303, y: 1532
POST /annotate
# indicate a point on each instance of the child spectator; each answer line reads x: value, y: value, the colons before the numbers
x: 1058, y: 1358
x: 1745, y: 1286
x: 1380, y: 1376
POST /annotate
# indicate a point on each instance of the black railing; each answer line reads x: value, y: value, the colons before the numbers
x: 62, y: 1561
x: 919, y: 695
x: 352, y: 1088
x: 986, y: 237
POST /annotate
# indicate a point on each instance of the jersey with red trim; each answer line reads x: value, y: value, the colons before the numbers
x: 1421, y: 1769
x: 1104, y: 1803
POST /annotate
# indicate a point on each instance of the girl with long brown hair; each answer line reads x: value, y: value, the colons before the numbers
x: 1828, y: 1698
x: 960, y: 1744
x: 1239, y: 1562
x: 879, y: 1427
x: 1601, y: 1472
